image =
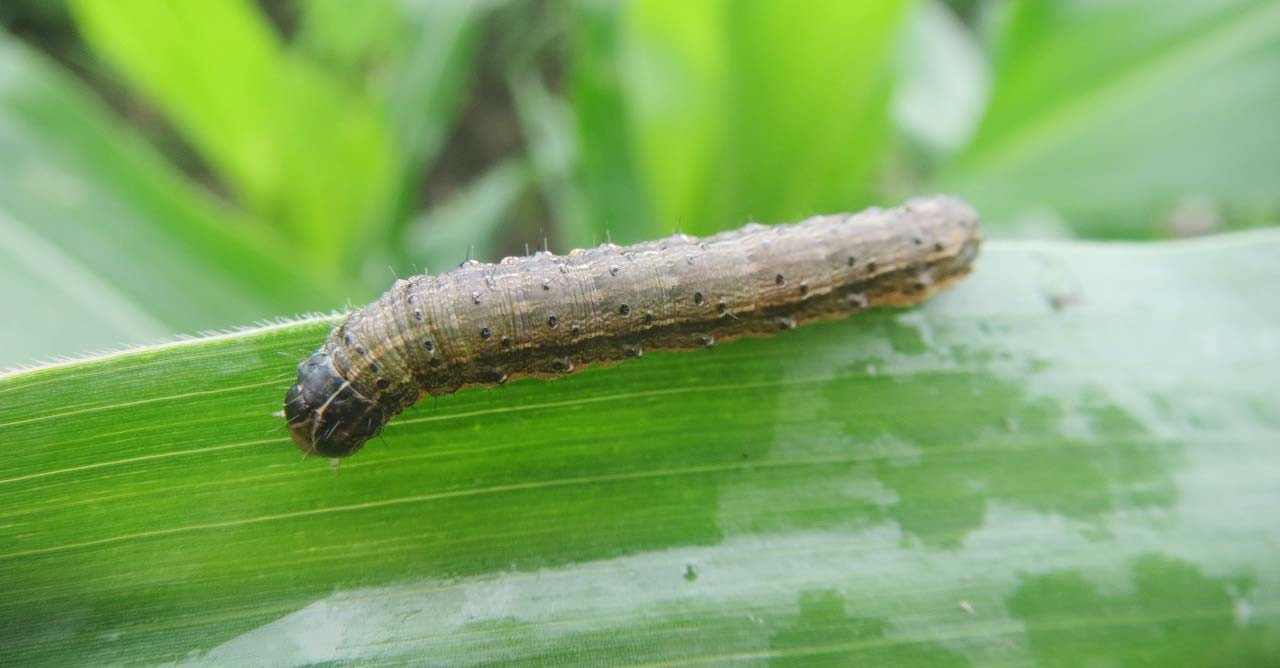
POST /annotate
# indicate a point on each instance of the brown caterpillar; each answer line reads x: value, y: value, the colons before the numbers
x: 549, y: 315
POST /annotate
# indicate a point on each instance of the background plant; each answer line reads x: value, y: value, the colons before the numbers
x: 176, y: 167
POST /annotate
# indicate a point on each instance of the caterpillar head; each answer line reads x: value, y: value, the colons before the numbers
x: 327, y: 417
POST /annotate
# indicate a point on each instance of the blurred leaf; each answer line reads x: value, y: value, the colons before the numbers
x: 467, y: 224
x: 547, y: 124
x: 301, y: 151
x: 420, y: 55
x: 431, y: 70
x: 943, y: 86
x: 674, y: 69
x: 346, y: 35
x: 607, y: 162
x: 1027, y: 470
x: 39, y: 12
x: 101, y: 243
x: 808, y: 111
x: 428, y: 75
x: 757, y: 109
x: 1109, y: 113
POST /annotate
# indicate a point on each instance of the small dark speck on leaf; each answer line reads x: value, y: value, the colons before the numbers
x: 1062, y: 300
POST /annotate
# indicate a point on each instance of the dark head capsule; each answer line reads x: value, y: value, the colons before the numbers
x: 326, y: 416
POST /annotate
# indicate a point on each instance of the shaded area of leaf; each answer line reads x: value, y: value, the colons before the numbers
x: 1073, y: 622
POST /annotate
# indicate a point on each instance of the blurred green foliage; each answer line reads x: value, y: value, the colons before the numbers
x: 173, y: 167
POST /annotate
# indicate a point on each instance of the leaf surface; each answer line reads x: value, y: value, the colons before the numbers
x: 1070, y: 457
x: 102, y: 242
x: 1112, y: 114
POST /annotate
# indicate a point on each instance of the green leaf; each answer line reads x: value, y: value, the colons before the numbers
x: 103, y: 243
x: 467, y: 224
x: 429, y: 71
x: 607, y: 162
x: 417, y: 57
x: 346, y: 35
x: 944, y: 80
x: 1069, y: 459
x: 299, y: 149
x: 1108, y: 114
x: 547, y: 124
x: 756, y: 109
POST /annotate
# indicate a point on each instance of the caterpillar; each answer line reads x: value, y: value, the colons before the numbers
x: 549, y: 315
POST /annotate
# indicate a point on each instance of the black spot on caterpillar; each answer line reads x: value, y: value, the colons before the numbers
x: 481, y: 324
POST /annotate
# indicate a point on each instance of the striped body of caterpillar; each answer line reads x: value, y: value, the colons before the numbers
x: 549, y: 315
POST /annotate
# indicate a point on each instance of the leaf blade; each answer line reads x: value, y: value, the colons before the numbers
x: 119, y: 238
x: 300, y: 150
x: 931, y: 487
x: 1091, y: 110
